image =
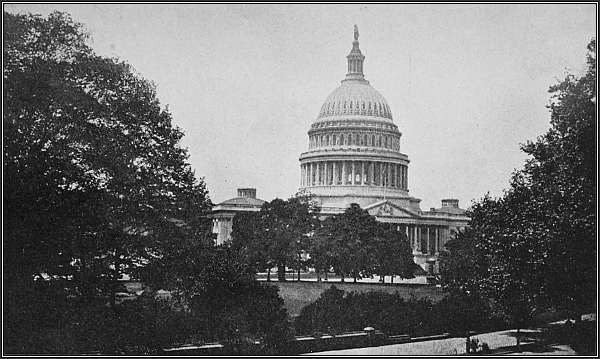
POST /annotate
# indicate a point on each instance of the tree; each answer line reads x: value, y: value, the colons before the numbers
x: 231, y: 306
x: 393, y: 255
x: 353, y: 233
x: 561, y: 177
x: 322, y: 248
x: 94, y: 176
x: 534, y: 247
x: 285, y: 230
x: 496, y: 259
x: 246, y: 236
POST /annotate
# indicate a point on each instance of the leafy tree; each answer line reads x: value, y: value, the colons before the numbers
x: 284, y: 233
x: 233, y: 307
x: 534, y: 247
x: 501, y: 264
x: 561, y: 178
x: 94, y: 176
x: 353, y: 234
x: 246, y: 236
x: 393, y: 255
x: 322, y: 248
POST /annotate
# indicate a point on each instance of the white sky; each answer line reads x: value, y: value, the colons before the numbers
x: 466, y: 83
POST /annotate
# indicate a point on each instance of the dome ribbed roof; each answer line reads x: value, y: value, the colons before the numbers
x: 355, y: 97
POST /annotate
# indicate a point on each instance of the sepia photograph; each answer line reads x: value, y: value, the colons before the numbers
x: 299, y: 179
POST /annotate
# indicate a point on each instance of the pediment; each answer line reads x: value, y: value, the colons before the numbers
x: 389, y: 209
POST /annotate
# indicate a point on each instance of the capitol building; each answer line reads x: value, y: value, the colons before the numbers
x: 355, y: 155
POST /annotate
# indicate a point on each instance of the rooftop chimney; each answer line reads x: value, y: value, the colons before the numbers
x: 450, y: 202
x: 247, y: 192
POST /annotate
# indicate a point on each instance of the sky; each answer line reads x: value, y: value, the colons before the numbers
x: 467, y: 84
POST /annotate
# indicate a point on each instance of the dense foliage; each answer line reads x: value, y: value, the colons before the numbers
x: 352, y: 244
x: 337, y: 311
x: 278, y: 235
x: 96, y: 187
x: 534, y: 247
x: 216, y: 286
x: 49, y: 322
x: 94, y: 175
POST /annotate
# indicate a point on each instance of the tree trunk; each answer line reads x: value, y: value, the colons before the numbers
x: 392, y: 279
x: 578, y: 319
x: 281, y: 273
x: 318, y: 275
x: 298, y: 274
x: 354, y: 279
x: 342, y: 278
x: 268, y: 274
x: 327, y: 271
x: 518, y: 339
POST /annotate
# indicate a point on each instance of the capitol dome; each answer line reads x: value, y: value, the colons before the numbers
x: 355, y: 97
x: 354, y: 146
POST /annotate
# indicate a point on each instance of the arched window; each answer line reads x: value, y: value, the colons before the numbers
x: 365, y: 140
x: 379, y: 144
x: 327, y: 140
x: 373, y: 140
x: 334, y: 140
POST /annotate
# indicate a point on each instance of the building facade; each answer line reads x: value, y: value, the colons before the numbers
x: 223, y: 213
x: 354, y: 156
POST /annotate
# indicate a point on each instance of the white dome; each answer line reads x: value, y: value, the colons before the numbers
x: 355, y: 97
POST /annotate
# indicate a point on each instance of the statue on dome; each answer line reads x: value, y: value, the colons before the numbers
x: 355, y: 32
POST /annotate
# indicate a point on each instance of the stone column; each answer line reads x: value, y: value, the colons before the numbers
x: 353, y: 173
x: 372, y: 165
x: 343, y: 172
x: 389, y: 175
x: 402, y: 176
x: 437, y: 240
x: 318, y: 179
x: 310, y: 174
x: 334, y: 168
x: 428, y: 243
x: 420, y: 235
x: 362, y: 173
x: 326, y: 182
x: 416, y: 247
x: 320, y: 172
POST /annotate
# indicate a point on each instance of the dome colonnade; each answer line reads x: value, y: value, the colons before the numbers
x: 354, y: 141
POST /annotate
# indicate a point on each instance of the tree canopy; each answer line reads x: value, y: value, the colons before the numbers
x: 535, y: 246
x: 94, y: 174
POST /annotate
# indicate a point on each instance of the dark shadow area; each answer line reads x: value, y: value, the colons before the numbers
x: 525, y: 347
x: 580, y: 337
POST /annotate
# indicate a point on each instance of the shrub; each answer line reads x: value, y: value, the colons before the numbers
x: 340, y: 311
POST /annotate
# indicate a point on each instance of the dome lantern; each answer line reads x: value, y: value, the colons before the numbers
x: 355, y: 60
